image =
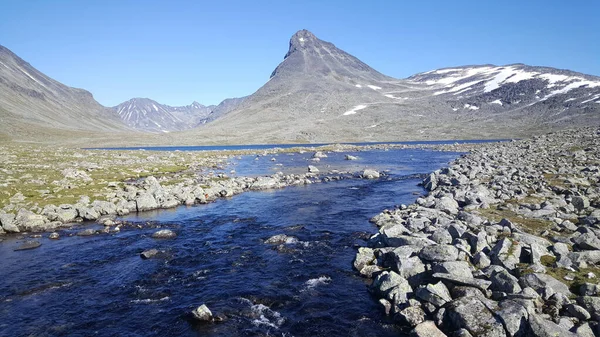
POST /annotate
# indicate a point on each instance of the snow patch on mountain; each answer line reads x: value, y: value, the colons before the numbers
x: 354, y: 110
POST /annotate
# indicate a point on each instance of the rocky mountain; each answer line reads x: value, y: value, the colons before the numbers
x: 148, y: 115
x: 223, y: 108
x: 34, y: 107
x: 320, y: 93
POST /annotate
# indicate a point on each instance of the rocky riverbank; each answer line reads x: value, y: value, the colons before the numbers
x: 506, y: 243
x: 44, y: 189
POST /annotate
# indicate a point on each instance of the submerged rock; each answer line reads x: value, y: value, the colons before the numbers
x: 150, y: 253
x: 202, y: 313
x: 31, y: 244
x: 164, y: 234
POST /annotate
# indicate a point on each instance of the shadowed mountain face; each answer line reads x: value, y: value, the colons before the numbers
x: 320, y: 93
x: 34, y: 106
x: 148, y: 115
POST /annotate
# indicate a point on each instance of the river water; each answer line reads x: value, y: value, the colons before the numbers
x: 99, y: 285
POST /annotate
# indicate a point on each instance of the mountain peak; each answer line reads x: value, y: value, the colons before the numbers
x: 302, y: 39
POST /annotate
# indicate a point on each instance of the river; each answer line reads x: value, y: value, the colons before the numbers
x: 99, y: 286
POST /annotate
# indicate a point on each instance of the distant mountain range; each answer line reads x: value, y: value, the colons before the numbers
x: 320, y: 93
x: 36, y: 107
x: 148, y: 115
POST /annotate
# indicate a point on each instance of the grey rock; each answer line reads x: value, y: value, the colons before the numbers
x: 590, y: 303
x: 427, y: 329
x: 482, y: 285
x: 473, y: 315
x: 31, y: 244
x: 370, y: 174
x: 480, y: 260
x: 441, y: 236
x: 540, y: 327
x: 589, y: 289
x: 506, y: 253
x: 164, y: 234
x: 578, y: 312
x: 587, y: 241
x: 430, y: 183
x: 439, y: 253
x: 436, y: 294
x: 54, y: 236
x: 150, y: 253
x: 457, y: 268
x: 392, y: 287
x: 514, y: 316
x: 364, y: 257
x: 28, y: 221
x: 542, y: 282
x: 410, y: 268
x: 411, y: 316
x: 580, y: 202
x: 7, y: 222
x: 86, y: 232
x: 312, y: 169
x: 447, y: 205
x: 145, y: 202
x: 406, y: 240
x: 349, y: 157
x: 505, y: 282
x: 281, y: 238
x: 202, y: 313
x: 585, y: 330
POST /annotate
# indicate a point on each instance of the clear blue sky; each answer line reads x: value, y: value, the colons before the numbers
x: 179, y: 51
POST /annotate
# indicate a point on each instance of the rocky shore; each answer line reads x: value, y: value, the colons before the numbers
x: 47, y: 189
x: 506, y: 243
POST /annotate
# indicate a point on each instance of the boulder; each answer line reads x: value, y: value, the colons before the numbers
x: 456, y: 268
x: 482, y: 285
x: 544, y: 284
x: 506, y: 253
x: 150, y: 253
x: 439, y: 253
x: 505, y: 282
x: 436, y: 294
x: 580, y: 202
x: 145, y: 202
x: 28, y: 221
x: 411, y: 316
x: 514, y: 316
x: 365, y: 256
x: 590, y: 303
x: 280, y: 239
x: 472, y: 314
x: 86, y: 232
x: 578, y: 312
x: 392, y: 287
x: 426, y: 329
x: 587, y: 241
x: 370, y: 174
x: 164, y: 234
x: 7, y: 222
x: 349, y: 157
x: 30, y: 244
x: 447, y: 204
x: 202, y: 313
x: 312, y: 169
x: 540, y: 327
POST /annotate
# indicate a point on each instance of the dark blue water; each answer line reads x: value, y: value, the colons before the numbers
x: 99, y: 286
